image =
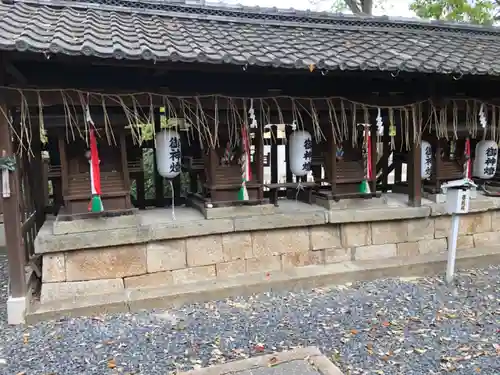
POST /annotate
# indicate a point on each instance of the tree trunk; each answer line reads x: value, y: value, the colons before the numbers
x: 360, y: 6
x: 367, y: 6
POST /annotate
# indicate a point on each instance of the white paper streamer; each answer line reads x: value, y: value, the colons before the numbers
x: 251, y: 114
x: 380, y: 123
x: 482, y: 117
x: 5, y: 184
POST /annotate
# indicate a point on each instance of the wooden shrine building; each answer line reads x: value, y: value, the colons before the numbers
x: 364, y: 92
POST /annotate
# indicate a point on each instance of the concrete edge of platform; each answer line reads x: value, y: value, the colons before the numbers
x: 108, y: 235
x: 310, y: 354
x: 293, y: 279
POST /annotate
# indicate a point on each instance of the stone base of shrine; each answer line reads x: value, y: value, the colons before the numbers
x: 210, y: 212
x: 159, y: 255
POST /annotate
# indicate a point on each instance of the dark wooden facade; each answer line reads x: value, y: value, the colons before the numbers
x: 288, y: 89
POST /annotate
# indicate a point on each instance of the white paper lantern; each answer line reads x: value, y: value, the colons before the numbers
x: 425, y: 160
x: 300, y: 144
x: 485, y: 161
x: 168, y: 153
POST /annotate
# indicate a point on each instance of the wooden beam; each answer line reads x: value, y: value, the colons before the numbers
x: 414, y: 177
x: 25, y: 60
x: 16, y: 74
x: 11, y: 214
x: 170, y: 66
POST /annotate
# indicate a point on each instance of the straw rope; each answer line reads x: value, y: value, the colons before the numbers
x: 343, y: 115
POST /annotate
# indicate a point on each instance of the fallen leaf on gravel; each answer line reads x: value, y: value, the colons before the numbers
x: 273, y: 361
x: 419, y: 351
x: 21, y: 373
x: 111, y: 363
x: 26, y: 338
x: 239, y: 305
x: 354, y: 331
x: 336, y: 356
x: 369, y: 348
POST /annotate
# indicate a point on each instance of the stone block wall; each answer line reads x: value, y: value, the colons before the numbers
x: 203, y: 258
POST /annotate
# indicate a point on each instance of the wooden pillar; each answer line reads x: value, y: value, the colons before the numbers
x: 45, y: 178
x: 158, y: 180
x: 124, y: 164
x: 176, y: 183
x: 193, y: 182
x: 386, y: 155
x: 259, y: 160
x: 213, y: 161
x: 64, y: 168
x: 37, y: 178
x: 196, y: 154
x: 316, y: 167
x: 398, y: 170
x: 373, y: 145
x: 141, y: 190
x: 289, y: 174
x: 273, y: 162
x: 11, y: 213
x: 331, y: 164
x: 414, y: 176
x: 123, y: 160
x: 438, y: 163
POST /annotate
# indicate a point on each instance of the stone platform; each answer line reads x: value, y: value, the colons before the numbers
x: 154, y: 251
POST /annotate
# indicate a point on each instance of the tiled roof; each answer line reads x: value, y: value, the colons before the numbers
x: 177, y: 31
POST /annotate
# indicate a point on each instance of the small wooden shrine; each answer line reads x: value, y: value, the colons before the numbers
x: 76, y: 179
x: 463, y: 148
x: 224, y: 170
x: 348, y: 166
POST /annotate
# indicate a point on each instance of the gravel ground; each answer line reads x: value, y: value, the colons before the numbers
x: 383, y: 327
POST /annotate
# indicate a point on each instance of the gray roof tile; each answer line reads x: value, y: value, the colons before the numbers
x: 175, y: 31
